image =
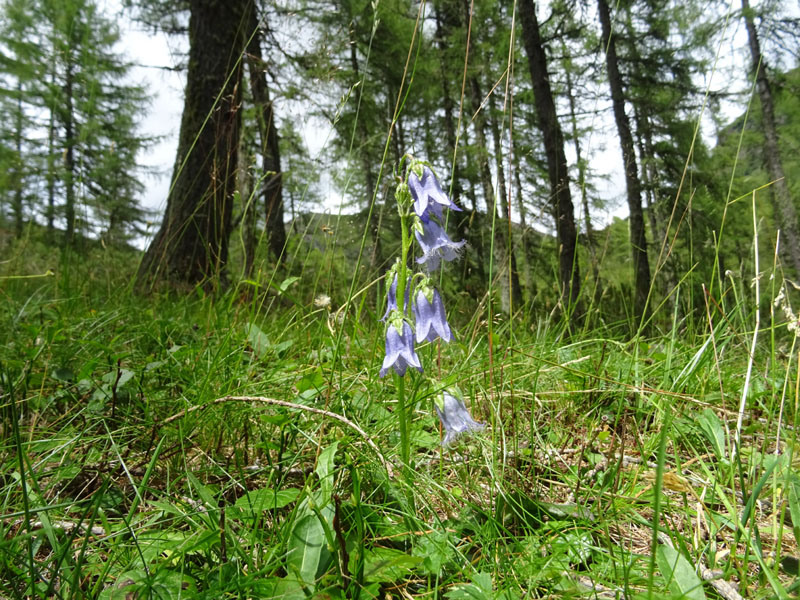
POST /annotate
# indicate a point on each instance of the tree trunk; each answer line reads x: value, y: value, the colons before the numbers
x: 191, y: 246
x: 270, y: 151
x: 641, y: 266
x: 503, y: 191
x: 69, y: 156
x: 446, y: 15
x: 18, y: 177
x: 247, y: 205
x: 376, y: 257
x: 591, y: 243
x: 784, y: 207
x: 557, y: 173
x: 51, y: 175
x: 500, y: 245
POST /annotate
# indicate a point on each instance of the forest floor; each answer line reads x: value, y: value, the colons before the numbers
x: 244, y: 446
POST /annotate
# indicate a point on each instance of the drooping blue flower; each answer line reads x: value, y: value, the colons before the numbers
x: 430, y: 317
x: 391, y: 297
x: 455, y: 417
x: 436, y: 245
x: 428, y: 195
x: 400, y: 352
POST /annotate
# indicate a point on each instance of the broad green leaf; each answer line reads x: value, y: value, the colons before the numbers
x: 435, y: 550
x: 287, y: 588
x: 386, y: 565
x: 479, y: 589
x: 257, y: 339
x: 266, y: 499
x: 324, y: 471
x: 62, y: 374
x: 712, y: 428
x: 680, y: 575
x: 794, y: 503
x: 305, y: 546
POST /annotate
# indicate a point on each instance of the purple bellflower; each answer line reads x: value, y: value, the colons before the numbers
x: 455, y: 418
x: 428, y: 195
x: 436, y: 245
x: 400, y: 352
x: 430, y: 317
x: 391, y: 297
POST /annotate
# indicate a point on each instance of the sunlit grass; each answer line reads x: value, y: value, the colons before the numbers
x: 556, y: 497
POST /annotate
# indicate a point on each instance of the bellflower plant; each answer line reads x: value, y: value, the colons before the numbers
x: 421, y: 203
x: 428, y: 195
x: 455, y: 417
x: 436, y: 245
x: 400, y: 348
x: 430, y: 316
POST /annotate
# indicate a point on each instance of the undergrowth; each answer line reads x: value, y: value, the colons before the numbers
x: 242, y: 445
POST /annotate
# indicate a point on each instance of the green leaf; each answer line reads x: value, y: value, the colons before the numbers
x: 266, y: 499
x: 206, y: 495
x: 324, y: 471
x: 257, y: 339
x: 287, y: 282
x: 305, y: 546
x: 680, y: 575
x: 479, y: 589
x: 794, y: 503
x: 386, y: 565
x: 62, y: 374
x: 435, y: 550
x: 712, y: 428
x: 287, y: 588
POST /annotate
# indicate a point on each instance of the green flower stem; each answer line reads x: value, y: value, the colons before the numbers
x: 402, y: 413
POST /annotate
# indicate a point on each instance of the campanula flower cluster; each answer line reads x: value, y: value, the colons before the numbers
x: 420, y: 315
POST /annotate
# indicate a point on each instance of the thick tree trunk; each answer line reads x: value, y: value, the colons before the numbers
x: 272, y: 185
x: 191, y: 246
x: 784, y: 207
x: 641, y: 266
x: 557, y: 173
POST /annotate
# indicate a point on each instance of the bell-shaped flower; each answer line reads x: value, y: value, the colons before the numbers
x: 400, y: 352
x: 455, y: 417
x: 428, y: 195
x: 430, y: 317
x: 391, y: 297
x: 436, y: 245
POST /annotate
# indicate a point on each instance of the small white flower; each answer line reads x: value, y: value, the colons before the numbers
x: 322, y: 301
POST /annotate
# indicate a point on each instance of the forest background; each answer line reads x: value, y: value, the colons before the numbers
x: 587, y: 347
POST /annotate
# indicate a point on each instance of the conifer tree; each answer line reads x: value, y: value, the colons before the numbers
x: 558, y: 173
x: 191, y: 246
x: 641, y: 265
x: 71, y: 92
x: 786, y: 214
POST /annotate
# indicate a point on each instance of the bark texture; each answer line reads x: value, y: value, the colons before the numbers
x: 272, y: 185
x: 784, y: 207
x: 641, y: 265
x: 191, y: 246
x: 557, y: 173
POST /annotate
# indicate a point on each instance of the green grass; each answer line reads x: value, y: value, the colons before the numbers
x: 110, y: 487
